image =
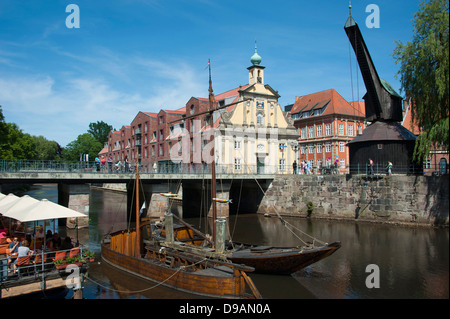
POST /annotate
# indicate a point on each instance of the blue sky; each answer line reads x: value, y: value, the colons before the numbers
x: 146, y: 55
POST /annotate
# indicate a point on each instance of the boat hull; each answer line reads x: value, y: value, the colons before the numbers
x: 283, y: 261
x: 229, y: 285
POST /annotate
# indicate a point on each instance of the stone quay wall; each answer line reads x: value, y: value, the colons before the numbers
x: 397, y: 199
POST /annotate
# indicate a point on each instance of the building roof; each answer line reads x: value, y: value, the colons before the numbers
x: 384, y: 131
x: 103, y: 151
x: 329, y: 99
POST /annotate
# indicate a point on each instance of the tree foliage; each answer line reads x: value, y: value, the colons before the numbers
x: 15, y: 144
x: 18, y: 145
x: 100, y: 131
x: 84, y: 144
x: 46, y: 150
x: 424, y: 75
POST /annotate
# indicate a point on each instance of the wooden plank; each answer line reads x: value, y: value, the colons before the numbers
x: 31, y: 287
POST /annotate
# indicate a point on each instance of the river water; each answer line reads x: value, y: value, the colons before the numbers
x: 412, y: 263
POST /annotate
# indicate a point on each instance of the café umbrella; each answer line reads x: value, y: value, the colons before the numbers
x: 24, y: 210
x: 29, y: 209
x: 6, y: 201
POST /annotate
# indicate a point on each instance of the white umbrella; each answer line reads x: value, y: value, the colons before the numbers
x: 2, y: 195
x: 40, y: 210
x: 7, y: 201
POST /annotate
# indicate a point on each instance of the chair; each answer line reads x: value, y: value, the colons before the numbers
x: 74, y: 252
x: 60, y: 255
x: 22, y: 263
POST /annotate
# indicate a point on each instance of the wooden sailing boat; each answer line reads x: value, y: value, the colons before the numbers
x: 203, y: 271
x: 264, y: 259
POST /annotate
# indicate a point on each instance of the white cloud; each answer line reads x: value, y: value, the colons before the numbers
x: 61, y: 109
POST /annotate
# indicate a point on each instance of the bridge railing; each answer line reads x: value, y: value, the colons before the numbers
x: 26, y: 166
x: 16, y: 166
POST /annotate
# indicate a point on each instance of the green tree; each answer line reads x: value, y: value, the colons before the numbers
x: 2, y: 128
x: 424, y: 75
x: 84, y: 144
x: 18, y: 145
x: 100, y: 131
x: 45, y: 149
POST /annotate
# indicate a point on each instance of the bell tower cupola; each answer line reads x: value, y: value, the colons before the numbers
x: 256, y: 70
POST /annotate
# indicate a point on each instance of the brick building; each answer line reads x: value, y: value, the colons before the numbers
x: 438, y: 159
x: 325, y: 123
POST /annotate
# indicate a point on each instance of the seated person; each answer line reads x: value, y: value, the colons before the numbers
x: 56, y: 241
x: 13, y: 248
x: 22, y: 251
x: 67, y: 244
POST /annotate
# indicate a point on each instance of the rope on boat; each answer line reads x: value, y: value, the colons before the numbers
x: 290, y: 227
x: 146, y: 289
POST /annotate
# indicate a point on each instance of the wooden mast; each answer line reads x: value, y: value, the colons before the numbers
x: 213, y: 163
x: 138, y: 232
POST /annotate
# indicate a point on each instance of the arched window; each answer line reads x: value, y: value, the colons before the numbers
x: 260, y: 119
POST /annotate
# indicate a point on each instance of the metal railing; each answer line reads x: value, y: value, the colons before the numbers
x: 40, y: 264
x: 25, y: 166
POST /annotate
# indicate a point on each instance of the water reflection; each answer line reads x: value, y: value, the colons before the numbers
x: 413, y: 262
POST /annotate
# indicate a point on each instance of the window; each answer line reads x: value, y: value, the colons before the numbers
x: 427, y: 162
x: 341, y: 129
x: 319, y: 131
x: 259, y: 119
x: 327, y: 147
x: 341, y: 147
x: 328, y: 129
x: 359, y: 129
x: 282, y: 164
x: 237, y: 164
x: 153, y: 150
x: 310, y: 148
x: 303, y: 132
x: 319, y: 148
x: 237, y: 145
x: 302, y: 149
x: 319, y: 163
x: 350, y: 130
x: 161, y: 149
x: 310, y: 131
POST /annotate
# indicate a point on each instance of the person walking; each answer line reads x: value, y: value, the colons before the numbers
x: 370, y: 166
x: 389, y: 168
